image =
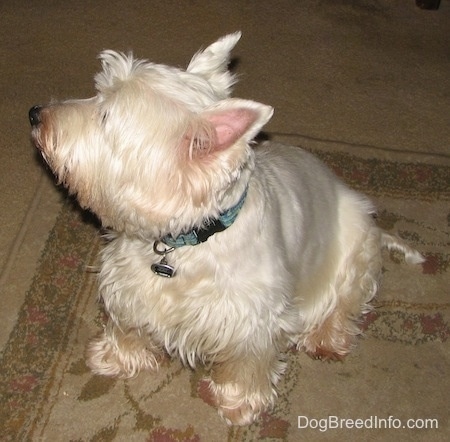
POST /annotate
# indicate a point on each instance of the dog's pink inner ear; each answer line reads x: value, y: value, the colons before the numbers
x: 230, y: 125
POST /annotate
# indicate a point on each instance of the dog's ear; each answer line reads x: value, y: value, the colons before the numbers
x: 226, y: 123
x: 115, y: 66
x: 212, y: 64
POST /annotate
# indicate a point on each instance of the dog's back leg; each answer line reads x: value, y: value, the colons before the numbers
x: 332, y: 336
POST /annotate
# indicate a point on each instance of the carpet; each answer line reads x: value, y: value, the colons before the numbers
x: 396, y: 378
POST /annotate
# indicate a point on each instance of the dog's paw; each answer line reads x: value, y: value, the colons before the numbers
x: 242, y: 415
x: 106, y: 358
x: 323, y: 354
x: 238, y: 407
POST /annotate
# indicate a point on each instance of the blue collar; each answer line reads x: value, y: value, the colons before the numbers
x: 198, y: 235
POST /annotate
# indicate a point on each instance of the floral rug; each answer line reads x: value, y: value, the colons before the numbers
x: 394, y: 386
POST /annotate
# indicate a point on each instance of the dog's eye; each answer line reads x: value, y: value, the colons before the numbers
x: 104, y: 117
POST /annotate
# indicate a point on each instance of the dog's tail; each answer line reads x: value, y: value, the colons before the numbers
x: 393, y: 243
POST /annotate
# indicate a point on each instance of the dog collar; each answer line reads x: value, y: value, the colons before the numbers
x: 194, y: 237
x: 199, y: 235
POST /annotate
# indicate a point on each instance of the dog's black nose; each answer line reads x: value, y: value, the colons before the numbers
x: 34, y: 115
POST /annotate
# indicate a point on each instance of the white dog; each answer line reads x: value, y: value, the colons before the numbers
x: 218, y: 253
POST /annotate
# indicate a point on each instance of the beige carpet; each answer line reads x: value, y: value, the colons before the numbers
x: 364, y: 83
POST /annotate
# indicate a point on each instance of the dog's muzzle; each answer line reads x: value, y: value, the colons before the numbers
x: 34, y: 115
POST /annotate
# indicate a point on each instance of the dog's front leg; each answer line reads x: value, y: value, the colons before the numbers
x: 244, y: 387
x: 121, y: 353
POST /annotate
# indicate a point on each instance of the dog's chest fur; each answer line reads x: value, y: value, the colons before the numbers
x: 205, y: 309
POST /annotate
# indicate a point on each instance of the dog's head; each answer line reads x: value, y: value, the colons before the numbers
x: 158, y: 149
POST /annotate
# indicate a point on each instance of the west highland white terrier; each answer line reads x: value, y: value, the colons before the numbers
x: 218, y: 252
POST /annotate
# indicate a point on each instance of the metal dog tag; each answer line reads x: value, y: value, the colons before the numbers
x: 163, y: 269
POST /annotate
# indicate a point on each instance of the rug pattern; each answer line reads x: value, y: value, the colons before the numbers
x: 44, y: 380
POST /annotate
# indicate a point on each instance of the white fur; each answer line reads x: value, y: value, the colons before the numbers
x: 160, y: 150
